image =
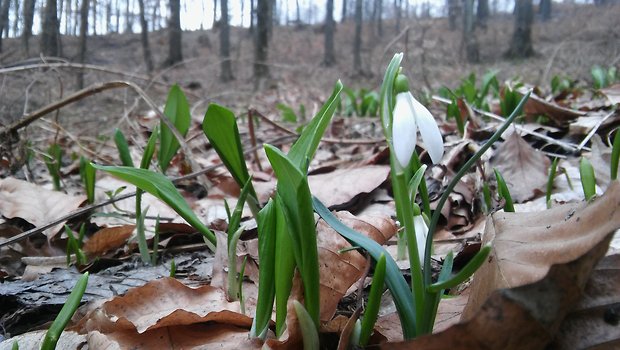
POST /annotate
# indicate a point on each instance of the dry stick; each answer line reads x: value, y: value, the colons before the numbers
x: 75, y: 66
x: 326, y: 139
x: 97, y: 88
x: 593, y: 131
x: 564, y: 145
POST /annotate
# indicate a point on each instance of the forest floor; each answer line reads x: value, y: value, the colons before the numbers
x: 349, y: 172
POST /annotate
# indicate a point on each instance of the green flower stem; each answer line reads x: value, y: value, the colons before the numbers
x: 401, y: 197
x: 426, y: 203
x: 454, y: 182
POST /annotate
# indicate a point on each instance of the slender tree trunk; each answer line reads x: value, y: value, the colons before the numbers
x: 454, y: 10
x: 521, y: 44
x: 4, y: 18
x: 83, y: 39
x: 16, y: 17
x: 226, y: 66
x: 472, y: 53
x: 344, y: 11
x: 298, y: 10
x: 330, y: 57
x: 398, y: 10
x: 261, y: 43
x: 252, y: 14
x: 28, y: 19
x: 379, y: 17
x: 49, y: 30
x: 144, y: 37
x: 94, y: 17
x: 108, y: 17
x: 482, y: 14
x: 357, y: 40
x: 214, y: 24
x: 128, y: 17
x: 175, y: 33
x: 545, y: 10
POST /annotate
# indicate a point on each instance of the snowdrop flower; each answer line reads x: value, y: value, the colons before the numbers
x: 421, y: 231
x: 409, y: 115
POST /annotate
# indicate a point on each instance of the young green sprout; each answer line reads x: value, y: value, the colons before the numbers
x: 615, y: 156
x: 504, y: 193
x: 552, y: 171
x: 588, y: 181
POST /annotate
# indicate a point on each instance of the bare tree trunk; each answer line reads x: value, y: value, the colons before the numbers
x: 28, y: 19
x: 76, y: 18
x: 94, y: 17
x: 344, y: 11
x: 454, y: 11
x: 4, y: 18
x: 545, y: 10
x: 214, y: 24
x: 379, y: 4
x: 144, y: 37
x: 252, y: 14
x: 226, y: 66
x: 128, y: 17
x: 49, y: 30
x: 357, y: 40
x: 398, y: 10
x: 483, y: 13
x: 68, y: 15
x: 83, y: 39
x: 261, y: 43
x: 108, y: 17
x: 521, y: 44
x: 175, y: 33
x: 472, y: 53
x: 298, y: 10
x: 16, y: 17
x: 329, y: 58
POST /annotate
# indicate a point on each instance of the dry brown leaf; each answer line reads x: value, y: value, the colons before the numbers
x: 561, y: 116
x: 523, y: 167
x: 32, y: 340
x: 107, y: 239
x: 594, y: 321
x: 612, y: 93
x: 162, y: 303
x: 339, y: 188
x: 35, y: 204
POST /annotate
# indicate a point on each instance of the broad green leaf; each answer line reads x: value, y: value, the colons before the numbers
x: 220, y: 127
x: 294, y: 192
x: 266, y: 269
x: 123, y: 148
x: 177, y: 110
x: 64, y: 316
x: 304, y: 148
x: 403, y: 298
x: 284, y: 267
x: 161, y: 187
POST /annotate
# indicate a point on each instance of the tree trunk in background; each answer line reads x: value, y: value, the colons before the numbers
x: 521, y: 44
x: 175, y: 54
x: 298, y: 12
x: 379, y: 17
x: 4, y: 18
x: 225, y: 66
x: 344, y: 11
x: 453, y: 13
x: 94, y: 17
x: 15, y: 17
x: 330, y: 58
x: 128, y: 18
x: 49, y: 30
x: 398, y: 12
x: 357, y: 40
x: 144, y: 37
x: 261, y: 42
x: 214, y: 23
x: 482, y: 14
x: 252, y: 14
x: 472, y: 53
x: 108, y: 17
x: 545, y: 10
x: 83, y: 37
x: 27, y: 31
x: 68, y: 17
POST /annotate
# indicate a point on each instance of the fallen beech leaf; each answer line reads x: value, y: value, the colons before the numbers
x: 32, y: 340
x: 162, y: 303
x: 612, y: 93
x: 561, y: 116
x: 339, y: 188
x: 35, y: 204
x: 522, y: 166
x: 107, y: 239
x: 592, y: 323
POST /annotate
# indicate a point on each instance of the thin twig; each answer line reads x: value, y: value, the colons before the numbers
x: 594, y: 129
x: 253, y: 137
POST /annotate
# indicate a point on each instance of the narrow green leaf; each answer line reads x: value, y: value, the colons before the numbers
x: 141, y: 235
x: 149, y: 150
x: 155, y: 242
x: 64, y: 316
x: 465, y: 272
x: 161, y: 187
x: 288, y: 114
x: 403, y: 298
x: 284, y: 267
x: 294, y: 192
x: 123, y: 148
x: 304, y: 148
x: 53, y: 162
x: 266, y: 269
x: 552, y: 170
x: 502, y: 190
x: 235, y: 217
x: 588, y: 181
x: 414, y: 183
x: 173, y: 268
x: 387, y: 95
x: 615, y: 156
x: 89, y: 182
x: 374, y: 301
x: 433, y: 299
x: 308, y: 327
x: 233, y: 281
x: 177, y: 110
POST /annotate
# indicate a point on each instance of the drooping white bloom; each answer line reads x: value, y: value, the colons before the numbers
x: 409, y: 115
x: 421, y: 231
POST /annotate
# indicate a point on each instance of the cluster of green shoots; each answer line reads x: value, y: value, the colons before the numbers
x: 286, y: 223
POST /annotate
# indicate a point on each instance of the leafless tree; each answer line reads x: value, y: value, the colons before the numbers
x: 50, y: 38
x: 545, y: 10
x: 330, y: 58
x: 175, y: 54
x: 4, y: 19
x: 344, y: 11
x: 28, y: 19
x: 144, y: 37
x: 261, y: 42
x: 521, y: 43
x: 226, y: 66
x: 482, y: 13
x: 470, y: 42
x: 83, y: 39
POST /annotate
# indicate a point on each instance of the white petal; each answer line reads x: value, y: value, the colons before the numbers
x: 403, y: 130
x: 421, y: 231
x: 431, y: 136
